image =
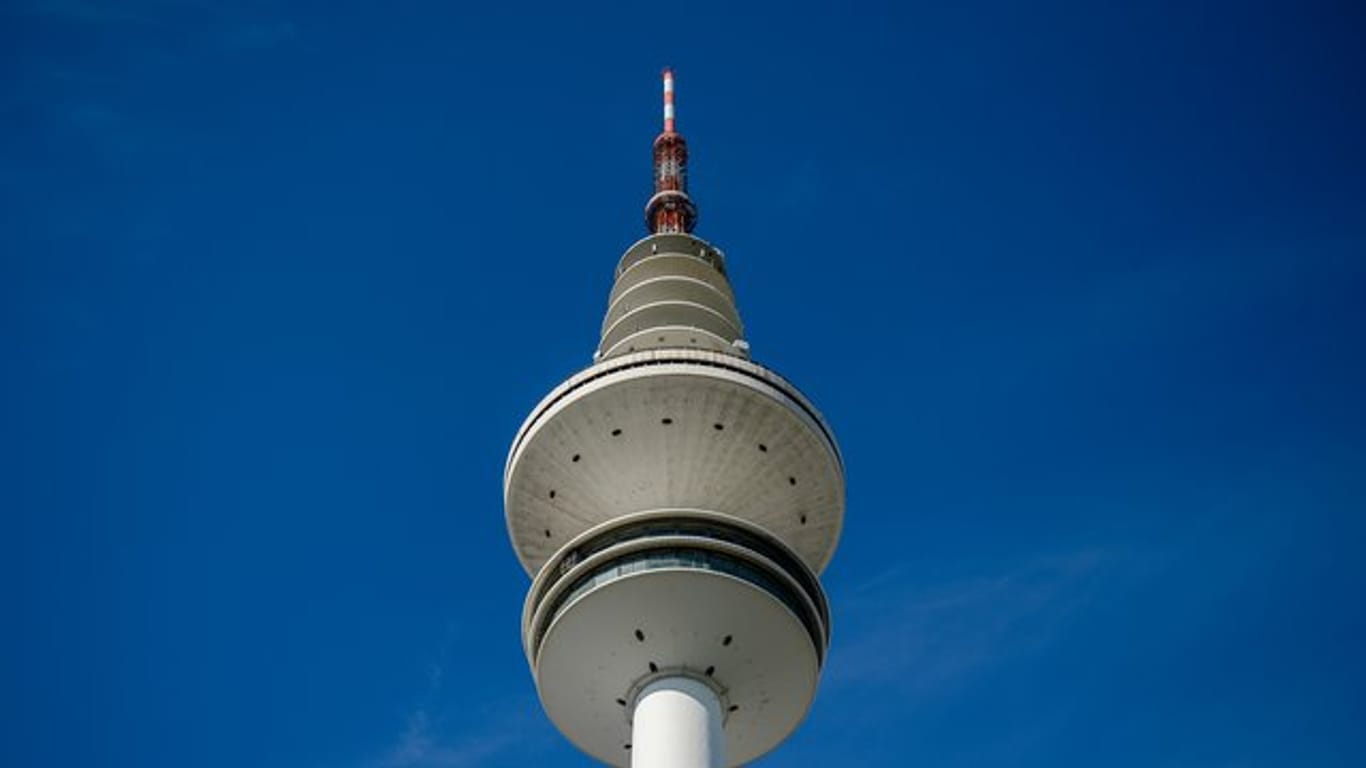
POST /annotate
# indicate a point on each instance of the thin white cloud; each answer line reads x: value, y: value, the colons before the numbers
x: 437, y: 735
x: 421, y: 746
x: 927, y: 639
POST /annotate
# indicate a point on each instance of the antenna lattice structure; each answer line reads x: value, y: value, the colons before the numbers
x: 670, y: 209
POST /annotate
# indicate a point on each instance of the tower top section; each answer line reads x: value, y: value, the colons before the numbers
x: 670, y: 210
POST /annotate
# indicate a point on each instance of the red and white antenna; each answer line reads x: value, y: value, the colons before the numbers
x: 668, y: 101
x: 670, y: 209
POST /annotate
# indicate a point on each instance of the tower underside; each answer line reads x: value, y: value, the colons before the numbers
x: 675, y: 595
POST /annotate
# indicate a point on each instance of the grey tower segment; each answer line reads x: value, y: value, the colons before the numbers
x: 671, y: 291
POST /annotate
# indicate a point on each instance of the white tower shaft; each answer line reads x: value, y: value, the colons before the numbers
x: 677, y: 724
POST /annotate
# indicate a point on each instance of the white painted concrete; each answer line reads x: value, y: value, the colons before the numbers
x: 677, y: 724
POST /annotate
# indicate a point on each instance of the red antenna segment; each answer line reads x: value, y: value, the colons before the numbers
x: 670, y: 209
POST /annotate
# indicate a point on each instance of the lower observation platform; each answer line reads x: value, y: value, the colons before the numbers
x: 676, y: 595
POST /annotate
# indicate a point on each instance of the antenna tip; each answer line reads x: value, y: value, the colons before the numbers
x: 668, y: 100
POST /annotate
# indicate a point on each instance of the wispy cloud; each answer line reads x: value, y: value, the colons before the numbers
x: 925, y: 639
x: 441, y: 733
x: 421, y: 745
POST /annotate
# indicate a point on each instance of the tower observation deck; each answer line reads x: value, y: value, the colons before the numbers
x: 674, y: 503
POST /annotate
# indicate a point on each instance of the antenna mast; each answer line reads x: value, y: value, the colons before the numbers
x: 670, y: 209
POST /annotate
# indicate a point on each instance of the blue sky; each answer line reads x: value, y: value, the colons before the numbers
x: 1081, y: 289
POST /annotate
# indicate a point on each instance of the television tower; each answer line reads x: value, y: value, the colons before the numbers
x: 674, y: 503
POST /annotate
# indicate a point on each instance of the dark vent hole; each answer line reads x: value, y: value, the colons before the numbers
x: 763, y: 448
x: 803, y: 519
x: 733, y: 707
x: 628, y: 746
x: 710, y: 670
x: 547, y: 533
x: 726, y: 640
x: 718, y: 427
x: 622, y: 702
x: 666, y: 420
x: 616, y: 432
x: 792, y: 481
x: 640, y: 636
x: 552, y: 494
x: 654, y: 667
x: 575, y: 459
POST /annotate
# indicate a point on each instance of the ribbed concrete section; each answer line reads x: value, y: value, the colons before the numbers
x: 671, y: 292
